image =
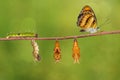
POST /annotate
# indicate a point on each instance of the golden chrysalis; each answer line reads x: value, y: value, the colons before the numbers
x: 57, y: 52
x: 76, y: 51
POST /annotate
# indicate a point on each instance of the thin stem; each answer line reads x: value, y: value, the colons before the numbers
x: 65, y: 37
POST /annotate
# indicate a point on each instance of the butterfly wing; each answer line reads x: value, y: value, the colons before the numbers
x: 86, y: 18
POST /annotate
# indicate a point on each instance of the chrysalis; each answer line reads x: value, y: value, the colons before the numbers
x: 57, y: 52
x: 35, y: 50
x: 76, y: 51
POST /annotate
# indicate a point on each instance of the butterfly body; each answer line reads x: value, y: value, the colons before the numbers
x: 87, y: 20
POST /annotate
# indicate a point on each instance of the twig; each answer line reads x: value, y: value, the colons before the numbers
x: 64, y: 38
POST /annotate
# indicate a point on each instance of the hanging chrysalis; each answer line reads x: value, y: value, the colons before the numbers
x: 57, y: 52
x: 76, y: 51
x: 35, y: 50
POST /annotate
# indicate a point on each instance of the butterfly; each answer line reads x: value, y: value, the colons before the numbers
x: 87, y: 20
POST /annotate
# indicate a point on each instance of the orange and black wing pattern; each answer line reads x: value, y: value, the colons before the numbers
x: 87, y: 18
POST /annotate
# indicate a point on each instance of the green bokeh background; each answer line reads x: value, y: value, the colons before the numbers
x: 100, y: 56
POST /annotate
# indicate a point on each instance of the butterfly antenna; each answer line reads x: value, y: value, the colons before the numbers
x: 105, y: 22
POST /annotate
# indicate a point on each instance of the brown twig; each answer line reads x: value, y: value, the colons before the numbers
x: 64, y: 38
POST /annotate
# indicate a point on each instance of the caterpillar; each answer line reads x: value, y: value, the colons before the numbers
x: 23, y: 35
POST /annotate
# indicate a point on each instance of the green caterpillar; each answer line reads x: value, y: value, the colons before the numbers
x: 19, y: 35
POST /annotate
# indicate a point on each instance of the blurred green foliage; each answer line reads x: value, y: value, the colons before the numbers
x: 100, y: 56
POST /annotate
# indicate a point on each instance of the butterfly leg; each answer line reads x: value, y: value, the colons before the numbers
x: 82, y: 30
